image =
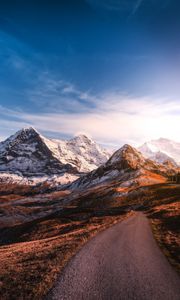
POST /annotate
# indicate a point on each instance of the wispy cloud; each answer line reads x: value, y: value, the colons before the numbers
x: 116, y: 5
x: 54, y: 94
x: 41, y: 89
x: 137, y: 6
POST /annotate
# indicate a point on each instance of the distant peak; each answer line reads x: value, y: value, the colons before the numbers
x: 159, y: 140
x: 82, y: 138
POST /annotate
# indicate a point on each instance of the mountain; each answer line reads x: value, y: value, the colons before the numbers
x: 163, y: 158
x: 126, y: 166
x: 162, y: 150
x: 31, y: 154
x: 26, y: 152
x: 81, y: 152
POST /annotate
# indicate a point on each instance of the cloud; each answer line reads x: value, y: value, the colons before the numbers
x: 117, y: 119
x: 54, y: 94
x: 59, y: 107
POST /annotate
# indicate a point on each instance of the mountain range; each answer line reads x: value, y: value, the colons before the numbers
x: 28, y: 157
x: 29, y: 154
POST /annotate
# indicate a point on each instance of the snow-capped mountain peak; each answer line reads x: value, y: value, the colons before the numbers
x: 161, y: 150
x: 82, y: 152
x: 27, y: 153
x: 21, y: 136
x: 82, y: 138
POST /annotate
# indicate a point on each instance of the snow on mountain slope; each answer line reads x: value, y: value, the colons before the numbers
x: 161, y: 150
x: 31, y: 154
x: 26, y: 152
x: 80, y: 152
x: 126, y: 166
x: 162, y: 158
x: 51, y: 180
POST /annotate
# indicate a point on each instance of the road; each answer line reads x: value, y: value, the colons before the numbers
x: 122, y: 262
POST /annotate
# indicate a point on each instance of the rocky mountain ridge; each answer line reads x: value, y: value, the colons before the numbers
x: 28, y: 153
x: 126, y: 165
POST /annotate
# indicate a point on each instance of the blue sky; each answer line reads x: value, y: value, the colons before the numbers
x: 107, y: 68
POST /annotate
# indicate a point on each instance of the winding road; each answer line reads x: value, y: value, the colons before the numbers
x: 122, y: 262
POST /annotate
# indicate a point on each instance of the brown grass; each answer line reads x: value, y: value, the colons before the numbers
x: 165, y: 220
x: 32, y: 253
x: 14, y: 189
x: 31, y: 260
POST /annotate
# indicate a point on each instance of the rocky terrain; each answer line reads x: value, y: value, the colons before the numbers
x: 128, y: 167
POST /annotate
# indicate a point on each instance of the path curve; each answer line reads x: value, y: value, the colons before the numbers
x: 120, y: 263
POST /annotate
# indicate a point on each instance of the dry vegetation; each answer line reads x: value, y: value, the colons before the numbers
x: 13, y: 191
x: 165, y: 219
x: 33, y: 252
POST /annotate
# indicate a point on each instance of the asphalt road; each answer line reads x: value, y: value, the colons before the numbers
x: 123, y: 262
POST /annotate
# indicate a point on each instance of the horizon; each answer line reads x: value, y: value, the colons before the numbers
x: 108, y: 69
